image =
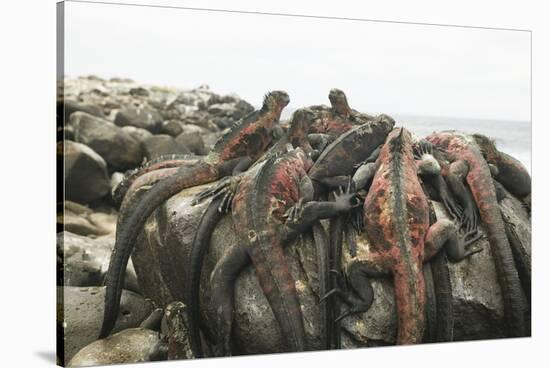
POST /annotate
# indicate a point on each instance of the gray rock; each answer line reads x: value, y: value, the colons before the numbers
x: 116, y: 178
x: 117, y: 147
x: 171, y: 127
x: 80, y: 314
x: 145, y: 118
x: 138, y: 134
x: 85, y: 221
x: 193, y: 142
x: 133, y: 345
x: 86, y: 178
x: 84, y: 261
x: 67, y: 107
x: 162, y: 144
x: 221, y: 109
x: 165, y: 244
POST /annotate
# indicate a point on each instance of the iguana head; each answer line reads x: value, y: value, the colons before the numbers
x: 339, y: 102
x: 301, y: 119
x: 487, y: 147
x: 275, y: 101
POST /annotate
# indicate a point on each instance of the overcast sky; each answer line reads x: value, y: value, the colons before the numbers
x: 382, y: 67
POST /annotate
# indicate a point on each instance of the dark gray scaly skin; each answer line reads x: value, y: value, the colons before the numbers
x: 236, y: 150
x: 464, y: 153
x: 396, y: 215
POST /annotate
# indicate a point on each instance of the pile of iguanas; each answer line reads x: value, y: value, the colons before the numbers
x: 363, y: 174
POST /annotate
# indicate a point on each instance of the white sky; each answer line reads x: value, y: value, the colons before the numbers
x: 382, y: 67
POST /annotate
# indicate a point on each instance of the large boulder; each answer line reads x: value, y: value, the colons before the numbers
x: 145, y: 118
x: 67, y: 107
x: 193, y: 141
x: 119, y: 149
x: 165, y: 244
x: 80, y: 315
x: 83, y: 261
x: 160, y: 145
x: 138, y: 134
x: 82, y: 220
x: 85, y: 172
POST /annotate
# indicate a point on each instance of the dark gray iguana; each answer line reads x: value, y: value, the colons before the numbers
x: 235, y: 151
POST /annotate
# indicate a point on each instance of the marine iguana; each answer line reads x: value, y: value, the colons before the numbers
x: 340, y: 118
x: 464, y: 154
x: 396, y: 216
x: 233, y: 152
x: 334, y: 121
x: 272, y: 205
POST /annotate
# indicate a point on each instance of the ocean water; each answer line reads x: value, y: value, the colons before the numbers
x: 512, y: 137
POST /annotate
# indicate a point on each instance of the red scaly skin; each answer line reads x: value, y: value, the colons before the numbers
x: 480, y: 182
x: 397, y: 220
x: 247, y: 140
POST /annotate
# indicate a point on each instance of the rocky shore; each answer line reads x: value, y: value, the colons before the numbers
x: 111, y: 126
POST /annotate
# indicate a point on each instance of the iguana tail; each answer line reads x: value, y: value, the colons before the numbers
x: 479, y: 179
x: 279, y: 288
x: 207, y: 224
x: 186, y: 177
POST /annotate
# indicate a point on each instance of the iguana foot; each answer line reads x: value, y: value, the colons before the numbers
x: 423, y: 147
x: 345, y: 198
x: 358, y: 302
x: 225, y: 189
x: 468, y: 239
x: 469, y: 219
x: 294, y: 214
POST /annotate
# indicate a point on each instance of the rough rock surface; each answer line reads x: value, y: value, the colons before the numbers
x: 162, y: 144
x: 144, y: 118
x: 164, y: 245
x: 133, y: 345
x: 85, y: 172
x: 138, y: 134
x: 80, y: 313
x: 118, y: 148
x: 82, y: 220
x: 83, y: 261
x: 71, y: 106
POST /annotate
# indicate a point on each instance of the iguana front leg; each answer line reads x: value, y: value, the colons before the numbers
x: 444, y: 234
